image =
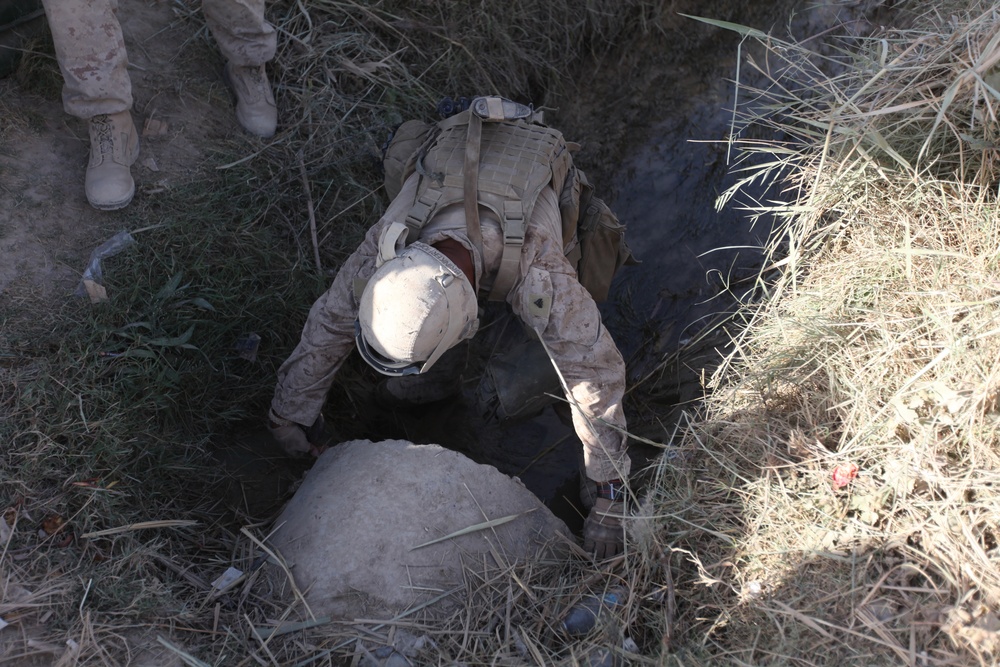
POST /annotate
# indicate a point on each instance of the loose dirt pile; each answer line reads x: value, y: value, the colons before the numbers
x: 402, y: 523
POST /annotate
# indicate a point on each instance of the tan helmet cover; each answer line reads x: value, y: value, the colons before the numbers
x: 416, y: 306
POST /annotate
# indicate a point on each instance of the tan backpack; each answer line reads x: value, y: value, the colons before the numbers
x: 591, y: 231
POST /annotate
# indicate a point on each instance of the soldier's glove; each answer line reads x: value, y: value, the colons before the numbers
x: 297, y: 440
x: 603, y: 531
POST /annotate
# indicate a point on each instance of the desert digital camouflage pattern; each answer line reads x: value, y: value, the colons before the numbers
x: 90, y: 48
x: 569, y: 324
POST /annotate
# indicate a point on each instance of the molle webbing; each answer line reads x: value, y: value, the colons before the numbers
x: 517, y: 159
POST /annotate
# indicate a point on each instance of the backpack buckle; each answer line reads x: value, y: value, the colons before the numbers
x: 495, y: 108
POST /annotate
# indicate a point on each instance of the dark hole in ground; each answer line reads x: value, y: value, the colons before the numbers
x: 542, y: 452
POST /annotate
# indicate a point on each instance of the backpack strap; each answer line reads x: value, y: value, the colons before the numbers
x: 510, y: 260
x: 453, y: 169
x: 425, y: 205
x: 471, y: 186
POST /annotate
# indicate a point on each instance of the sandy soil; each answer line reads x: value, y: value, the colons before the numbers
x: 47, y: 228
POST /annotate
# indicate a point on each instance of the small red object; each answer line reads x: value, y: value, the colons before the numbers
x: 843, y: 474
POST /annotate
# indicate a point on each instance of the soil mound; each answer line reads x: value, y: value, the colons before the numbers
x: 367, y: 532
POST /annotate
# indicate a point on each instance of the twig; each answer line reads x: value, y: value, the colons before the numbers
x: 186, y: 658
x: 312, y: 211
x: 180, y: 523
x: 472, y: 529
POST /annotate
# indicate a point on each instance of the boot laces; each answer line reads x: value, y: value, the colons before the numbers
x: 251, y: 81
x: 103, y: 136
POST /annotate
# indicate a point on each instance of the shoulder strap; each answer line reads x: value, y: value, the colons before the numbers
x: 472, y: 146
x: 515, y: 134
x: 510, y: 260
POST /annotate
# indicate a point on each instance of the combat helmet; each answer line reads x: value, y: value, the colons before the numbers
x: 416, y: 306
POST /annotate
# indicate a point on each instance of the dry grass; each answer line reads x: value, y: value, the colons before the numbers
x: 506, y: 614
x: 875, y: 345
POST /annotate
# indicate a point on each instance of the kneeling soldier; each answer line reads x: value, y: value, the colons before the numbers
x: 485, y: 204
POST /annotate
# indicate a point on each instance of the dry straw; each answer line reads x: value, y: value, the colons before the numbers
x: 875, y: 344
x: 874, y: 348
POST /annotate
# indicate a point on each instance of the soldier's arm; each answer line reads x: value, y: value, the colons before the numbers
x: 305, y: 378
x: 551, y: 301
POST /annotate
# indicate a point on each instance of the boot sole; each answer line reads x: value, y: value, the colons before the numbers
x: 113, y: 206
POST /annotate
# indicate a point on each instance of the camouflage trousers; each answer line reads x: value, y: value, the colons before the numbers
x: 90, y: 48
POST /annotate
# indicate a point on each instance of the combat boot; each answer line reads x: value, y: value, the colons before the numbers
x: 255, y: 108
x: 114, y: 147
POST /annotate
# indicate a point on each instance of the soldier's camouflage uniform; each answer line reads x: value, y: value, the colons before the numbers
x: 91, y: 50
x: 579, y: 343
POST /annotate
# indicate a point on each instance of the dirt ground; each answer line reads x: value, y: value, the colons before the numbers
x: 47, y: 228
x: 184, y: 112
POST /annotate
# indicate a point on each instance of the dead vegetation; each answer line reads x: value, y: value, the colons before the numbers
x: 841, y: 504
x: 835, y: 501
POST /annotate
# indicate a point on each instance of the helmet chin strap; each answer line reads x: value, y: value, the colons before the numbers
x: 453, y: 334
x: 377, y: 361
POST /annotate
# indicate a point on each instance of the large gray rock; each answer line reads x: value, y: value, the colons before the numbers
x: 352, y: 530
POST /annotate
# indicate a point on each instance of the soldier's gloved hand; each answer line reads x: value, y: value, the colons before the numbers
x: 299, y: 441
x: 603, y: 531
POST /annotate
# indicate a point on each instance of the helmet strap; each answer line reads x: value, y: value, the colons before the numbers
x: 456, y: 323
x: 471, y: 186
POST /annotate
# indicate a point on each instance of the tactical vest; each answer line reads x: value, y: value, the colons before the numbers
x: 515, y: 158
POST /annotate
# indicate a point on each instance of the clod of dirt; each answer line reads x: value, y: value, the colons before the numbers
x: 367, y: 532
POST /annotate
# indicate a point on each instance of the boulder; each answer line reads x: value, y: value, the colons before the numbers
x: 363, y: 533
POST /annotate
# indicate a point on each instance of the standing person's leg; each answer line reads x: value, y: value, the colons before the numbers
x: 91, y: 54
x: 247, y: 42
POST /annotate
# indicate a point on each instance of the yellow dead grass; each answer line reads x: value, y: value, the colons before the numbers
x: 876, y: 345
